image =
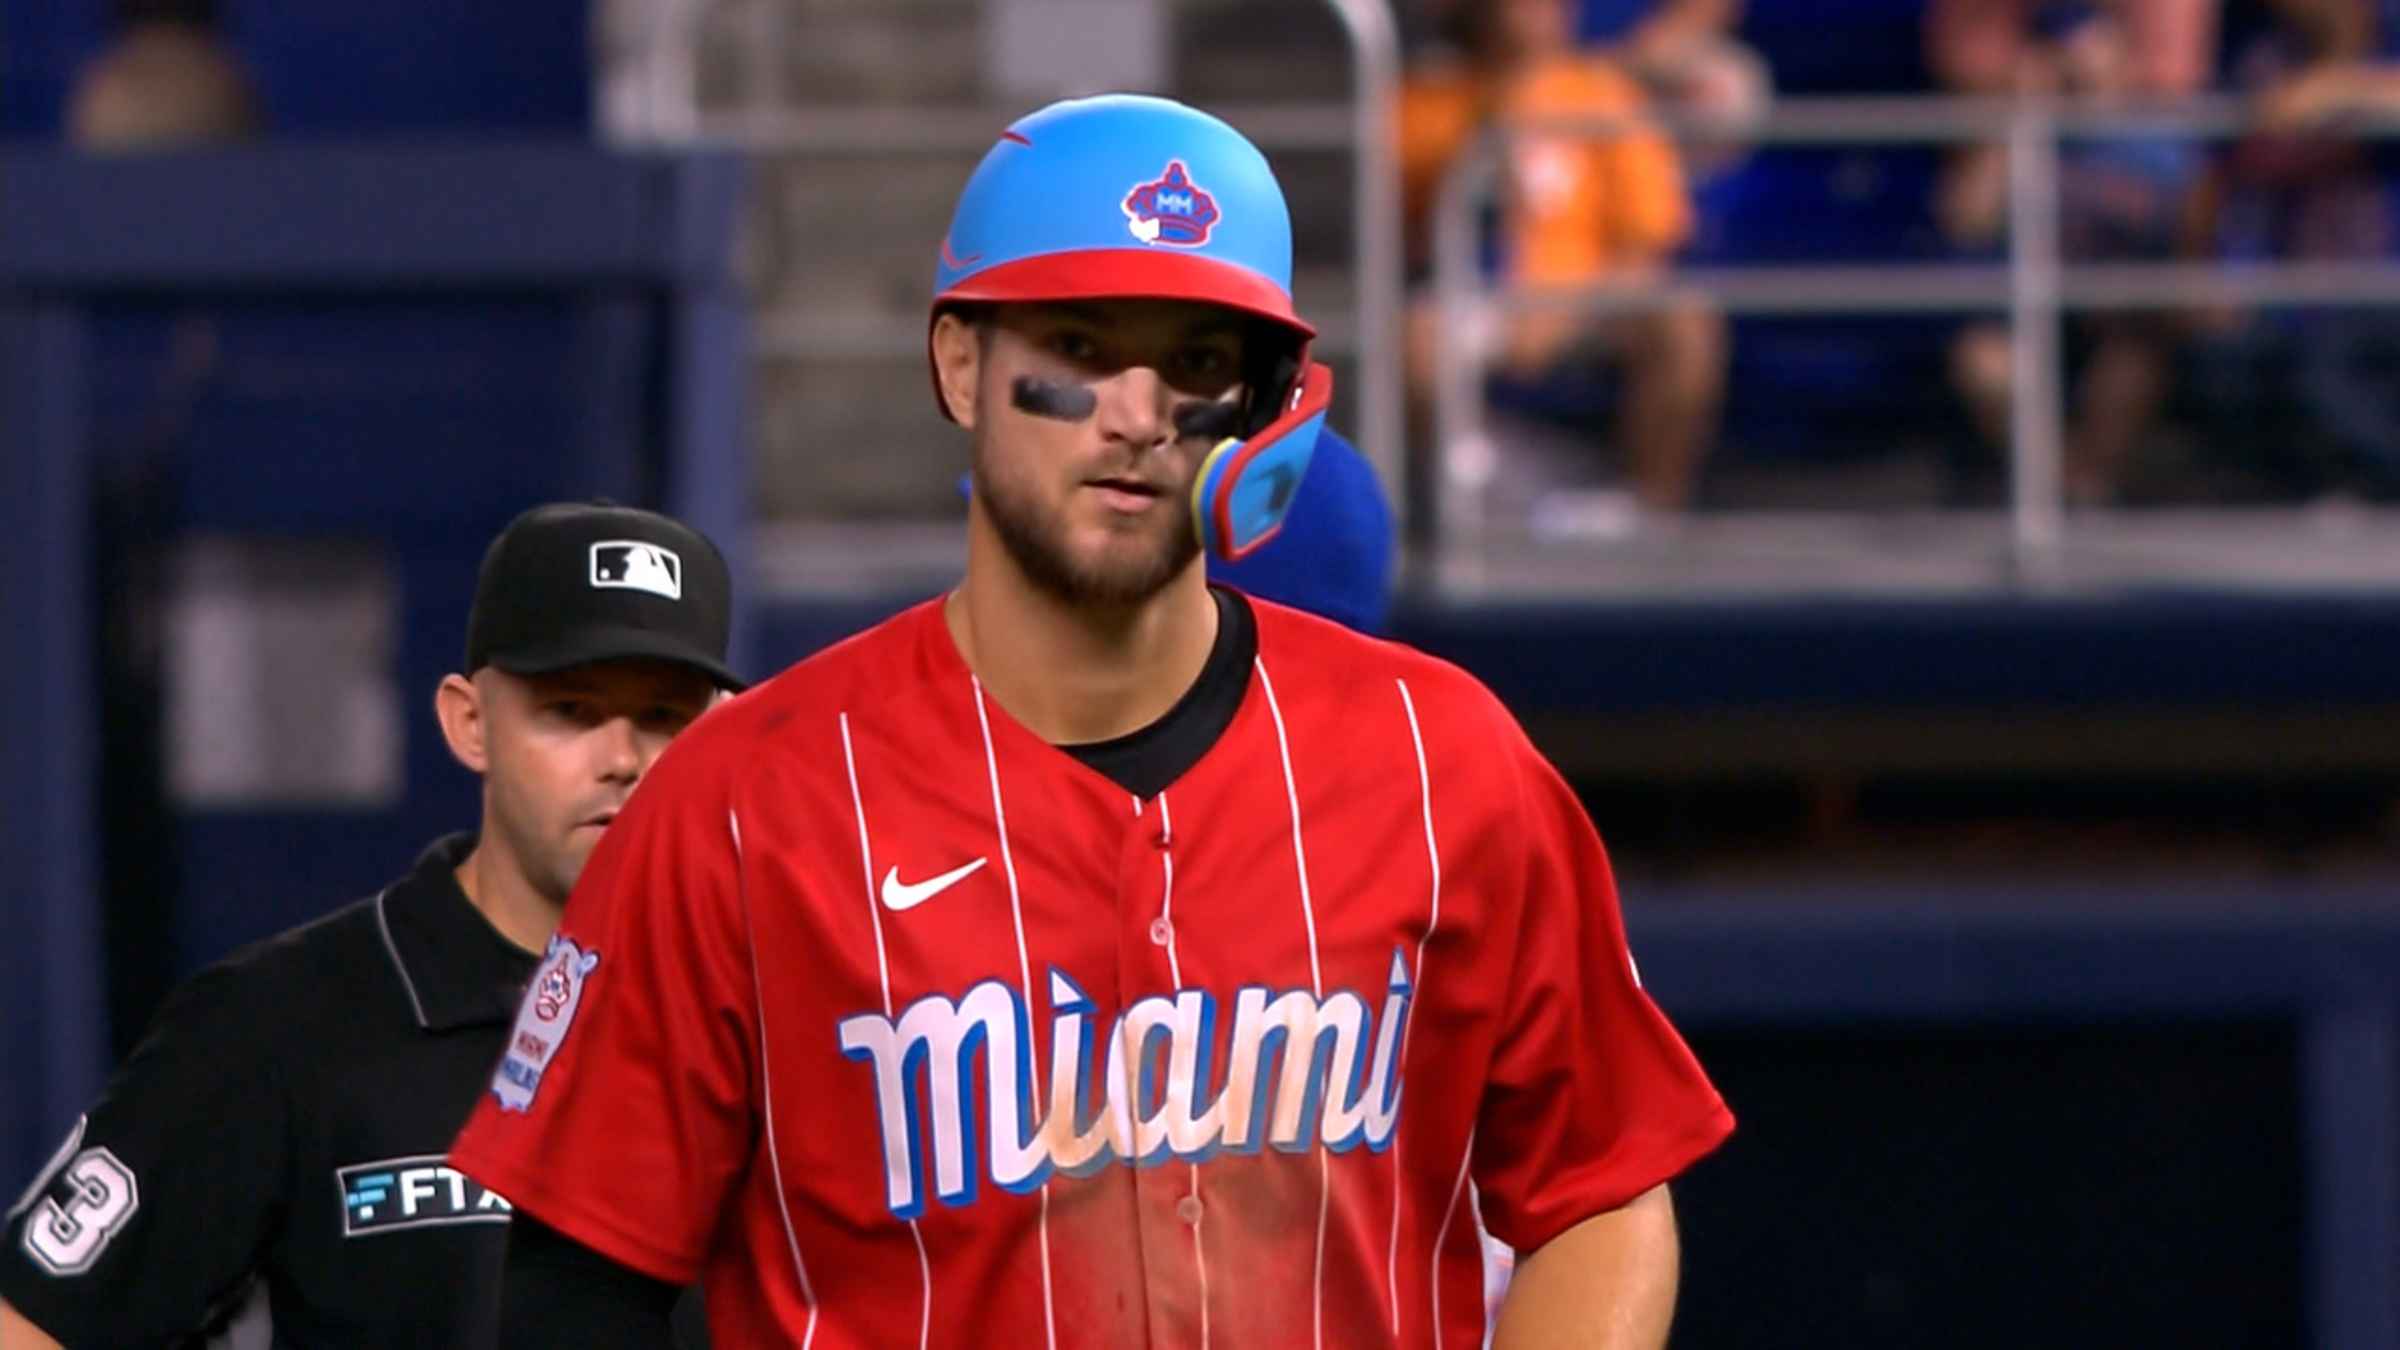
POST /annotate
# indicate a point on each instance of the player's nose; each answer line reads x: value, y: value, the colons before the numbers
x: 1134, y: 409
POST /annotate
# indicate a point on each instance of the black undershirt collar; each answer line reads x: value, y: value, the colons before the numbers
x: 1147, y: 761
x: 459, y: 971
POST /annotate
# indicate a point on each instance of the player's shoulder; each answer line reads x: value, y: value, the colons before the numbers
x: 1314, y: 654
x: 777, y: 714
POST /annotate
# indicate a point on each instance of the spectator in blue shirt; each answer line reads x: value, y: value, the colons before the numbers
x: 2122, y: 198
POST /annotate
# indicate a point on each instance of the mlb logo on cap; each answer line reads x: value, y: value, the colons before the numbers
x: 570, y: 583
x: 630, y: 564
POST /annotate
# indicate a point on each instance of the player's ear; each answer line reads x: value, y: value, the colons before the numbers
x: 957, y: 364
x: 458, y: 706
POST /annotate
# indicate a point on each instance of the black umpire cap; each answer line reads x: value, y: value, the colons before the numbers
x: 571, y: 583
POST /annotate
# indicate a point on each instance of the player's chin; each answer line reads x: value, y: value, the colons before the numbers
x: 1118, y: 547
x: 1133, y: 570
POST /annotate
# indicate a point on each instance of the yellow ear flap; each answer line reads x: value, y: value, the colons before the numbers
x: 1204, y: 481
x: 1246, y: 487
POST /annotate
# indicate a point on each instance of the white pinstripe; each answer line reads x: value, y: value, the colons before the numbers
x: 883, y: 971
x: 766, y: 1084
x: 1316, y: 980
x: 1166, y: 859
x: 1016, y: 914
x: 1441, y: 1235
x: 1433, y: 857
x: 1283, y: 745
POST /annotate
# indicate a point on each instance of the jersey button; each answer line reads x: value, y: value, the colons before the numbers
x: 1188, y: 1209
x: 1161, y: 932
x: 1160, y: 840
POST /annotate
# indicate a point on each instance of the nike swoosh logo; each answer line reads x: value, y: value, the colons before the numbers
x: 952, y: 260
x: 898, y: 896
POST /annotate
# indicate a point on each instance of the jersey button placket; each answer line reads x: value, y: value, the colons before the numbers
x: 1145, y: 947
x: 1145, y: 930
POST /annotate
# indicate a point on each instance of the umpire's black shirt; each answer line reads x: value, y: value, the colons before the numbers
x: 280, y: 1132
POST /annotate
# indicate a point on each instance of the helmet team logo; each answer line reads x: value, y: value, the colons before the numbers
x: 542, y: 1022
x: 1171, y: 209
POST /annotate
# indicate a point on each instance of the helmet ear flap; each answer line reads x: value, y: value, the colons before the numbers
x: 1271, y: 365
x: 1247, y: 485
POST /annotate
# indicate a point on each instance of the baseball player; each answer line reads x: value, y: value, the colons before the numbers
x: 268, y: 1163
x: 1092, y: 957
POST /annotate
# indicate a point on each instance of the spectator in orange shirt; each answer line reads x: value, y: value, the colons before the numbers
x: 1576, y: 209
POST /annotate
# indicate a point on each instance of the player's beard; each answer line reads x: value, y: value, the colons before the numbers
x: 1036, y: 539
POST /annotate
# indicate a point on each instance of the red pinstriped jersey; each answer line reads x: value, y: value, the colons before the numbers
x: 897, y: 1026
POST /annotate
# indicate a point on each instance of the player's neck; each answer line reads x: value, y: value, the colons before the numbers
x: 1072, y: 674
x: 496, y: 886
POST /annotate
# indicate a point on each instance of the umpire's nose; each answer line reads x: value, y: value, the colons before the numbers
x: 620, y: 751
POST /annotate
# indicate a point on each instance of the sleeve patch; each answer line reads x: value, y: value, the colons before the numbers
x: 76, y: 1209
x: 542, y: 1022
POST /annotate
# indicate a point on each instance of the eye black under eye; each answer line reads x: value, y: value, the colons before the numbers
x: 1212, y: 421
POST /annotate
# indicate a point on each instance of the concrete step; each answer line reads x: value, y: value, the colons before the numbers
x: 850, y: 233
x: 1268, y: 50
x: 840, y: 52
x: 844, y: 439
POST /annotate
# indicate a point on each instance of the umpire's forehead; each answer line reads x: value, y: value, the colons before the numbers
x: 630, y: 677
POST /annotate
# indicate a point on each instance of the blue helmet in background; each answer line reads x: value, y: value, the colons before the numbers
x: 1130, y: 197
x: 1336, y: 559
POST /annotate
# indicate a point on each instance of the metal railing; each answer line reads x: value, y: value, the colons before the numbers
x: 2034, y: 287
x: 1375, y: 212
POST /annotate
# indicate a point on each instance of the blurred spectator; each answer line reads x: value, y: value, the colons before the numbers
x: 2300, y: 189
x: 1576, y: 209
x: 1685, y: 54
x: 1982, y: 46
x: 2121, y: 198
x: 166, y: 78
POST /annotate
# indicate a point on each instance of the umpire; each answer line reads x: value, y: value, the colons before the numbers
x: 271, y: 1155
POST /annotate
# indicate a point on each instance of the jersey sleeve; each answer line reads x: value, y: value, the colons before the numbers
x: 620, y: 1112
x: 152, y: 1215
x: 1592, y: 1097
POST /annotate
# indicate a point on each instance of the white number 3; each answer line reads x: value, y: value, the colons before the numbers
x: 66, y: 1239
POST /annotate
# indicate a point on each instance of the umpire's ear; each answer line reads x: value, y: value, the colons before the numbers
x: 458, y: 706
x: 957, y: 365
